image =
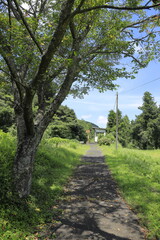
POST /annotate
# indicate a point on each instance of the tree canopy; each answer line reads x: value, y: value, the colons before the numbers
x: 66, y: 125
x: 52, y: 48
x: 146, y: 130
x: 124, y: 127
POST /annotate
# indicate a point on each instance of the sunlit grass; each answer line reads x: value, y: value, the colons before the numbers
x: 137, y: 173
x: 53, y: 166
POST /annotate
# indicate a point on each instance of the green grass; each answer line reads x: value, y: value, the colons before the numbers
x: 24, y: 219
x: 137, y: 173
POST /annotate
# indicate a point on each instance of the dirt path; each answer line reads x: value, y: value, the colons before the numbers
x: 93, y: 210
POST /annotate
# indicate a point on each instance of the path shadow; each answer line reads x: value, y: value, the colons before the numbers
x: 89, y: 225
x: 93, y: 180
x: 93, y: 209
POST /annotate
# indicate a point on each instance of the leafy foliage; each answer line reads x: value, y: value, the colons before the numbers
x: 64, y: 114
x: 146, y: 131
x: 106, y: 140
x: 6, y: 118
x: 7, y: 146
x: 124, y: 127
x: 50, y: 49
x: 24, y: 219
x: 6, y: 103
x: 66, y: 125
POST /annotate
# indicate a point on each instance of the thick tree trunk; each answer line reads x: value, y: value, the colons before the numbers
x: 23, y: 165
x: 30, y: 132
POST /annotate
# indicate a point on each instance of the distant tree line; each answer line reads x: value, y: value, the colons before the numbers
x: 144, y: 131
x: 64, y: 124
x: 51, y: 49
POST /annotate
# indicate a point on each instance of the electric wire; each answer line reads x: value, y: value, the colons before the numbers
x: 156, y: 79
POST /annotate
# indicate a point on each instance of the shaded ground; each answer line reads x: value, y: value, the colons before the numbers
x: 93, y: 210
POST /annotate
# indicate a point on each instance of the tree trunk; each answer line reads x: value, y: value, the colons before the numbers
x: 30, y: 132
x: 23, y: 165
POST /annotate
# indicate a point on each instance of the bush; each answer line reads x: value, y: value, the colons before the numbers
x: 106, y: 140
x: 67, y: 131
x: 56, y: 141
x: 6, y: 118
x: 7, y: 146
x: 25, y: 218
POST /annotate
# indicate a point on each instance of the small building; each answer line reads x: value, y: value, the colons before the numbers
x: 98, y: 131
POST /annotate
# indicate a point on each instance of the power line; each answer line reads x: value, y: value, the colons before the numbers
x: 156, y: 79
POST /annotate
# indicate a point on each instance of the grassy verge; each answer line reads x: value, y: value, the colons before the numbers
x: 53, y: 167
x: 137, y: 173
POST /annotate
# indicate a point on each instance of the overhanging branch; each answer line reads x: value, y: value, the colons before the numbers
x: 64, y: 19
x: 135, y: 59
x: 79, y: 11
x: 142, y: 21
x: 27, y: 27
x: 5, y: 99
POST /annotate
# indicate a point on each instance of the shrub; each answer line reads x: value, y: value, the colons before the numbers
x: 25, y: 218
x: 7, y: 146
x: 56, y: 141
x: 106, y: 140
x: 6, y: 118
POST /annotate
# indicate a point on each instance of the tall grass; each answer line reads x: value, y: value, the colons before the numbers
x: 23, y: 219
x: 137, y: 173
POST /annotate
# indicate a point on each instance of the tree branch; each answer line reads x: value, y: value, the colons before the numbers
x: 9, y: 59
x: 12, y: 67
x: 72, y: 71
x: 78, y: 11
x: 63, y: 92
x: 6, y: 99
x: 6, y: 72
x: 142, y: 21
x: 27, y: 27
x: 72, y: 29
x: 56, y: 73
x: 135, y: 59
x: 64, y: 19
x: 43, y: 3
x: 7, y: 56
x: 9, y: 15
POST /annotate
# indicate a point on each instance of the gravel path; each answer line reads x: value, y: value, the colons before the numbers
x: 93, y: 210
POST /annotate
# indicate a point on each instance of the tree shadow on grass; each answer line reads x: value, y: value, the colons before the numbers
x: 51, y: 172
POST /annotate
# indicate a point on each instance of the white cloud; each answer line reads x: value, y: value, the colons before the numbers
x: 86, y: 117
x: 89, y: 103
x: 102, y: 121
x: 129, y: 106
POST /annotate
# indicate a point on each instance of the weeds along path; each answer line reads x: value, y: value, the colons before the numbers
x: 93, y: 210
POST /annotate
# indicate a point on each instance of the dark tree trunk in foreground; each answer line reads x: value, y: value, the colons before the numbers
x: 27, y: 144
x: 23, y: 166
x: 52, y: 44
x: 30, y: 132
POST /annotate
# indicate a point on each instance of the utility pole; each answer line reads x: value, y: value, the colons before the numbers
x: 117, y: 121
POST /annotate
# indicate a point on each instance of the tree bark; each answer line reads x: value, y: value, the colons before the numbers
x: 28, y: 140
x: 23, y: 164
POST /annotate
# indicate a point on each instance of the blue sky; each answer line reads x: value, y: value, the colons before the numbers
x: 95, y: 106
